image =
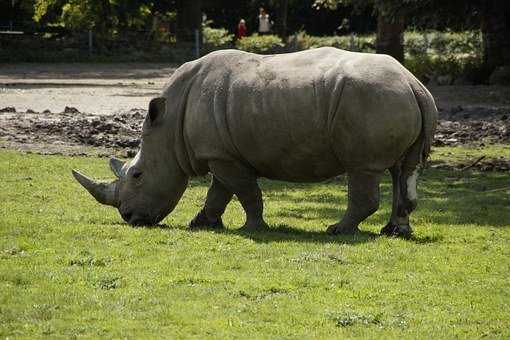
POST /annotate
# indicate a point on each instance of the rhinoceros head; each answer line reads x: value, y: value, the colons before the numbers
x: 149, y: 186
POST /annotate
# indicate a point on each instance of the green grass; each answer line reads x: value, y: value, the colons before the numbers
x: 468, y: 154
x: 69, y: 267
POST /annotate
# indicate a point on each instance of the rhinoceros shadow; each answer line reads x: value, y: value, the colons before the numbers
x: 287, y: 233
x: 284, y: 232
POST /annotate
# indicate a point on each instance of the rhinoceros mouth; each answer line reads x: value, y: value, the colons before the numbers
x: 136, y: 219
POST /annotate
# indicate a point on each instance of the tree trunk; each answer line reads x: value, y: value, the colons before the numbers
x: 390, y: 36
x: 189, y: 19
x: 495, y: 27
x: 285, y: 11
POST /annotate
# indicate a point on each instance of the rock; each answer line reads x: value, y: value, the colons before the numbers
x: 70, y: 109
x: 8, y: 109
x: 46, y: 111
x: 30, y: 111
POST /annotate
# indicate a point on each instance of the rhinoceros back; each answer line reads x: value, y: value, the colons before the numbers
x: 304, y: 116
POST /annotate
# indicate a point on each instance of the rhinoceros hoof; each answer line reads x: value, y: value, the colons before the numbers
x: 393, y: 229
x: 201, y: 222
x: 340, y: 229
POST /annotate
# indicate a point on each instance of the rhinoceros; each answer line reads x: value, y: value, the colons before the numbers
x: 299, y: 117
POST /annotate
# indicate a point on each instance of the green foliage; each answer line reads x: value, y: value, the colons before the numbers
x: 260, y: 44
x: 78, y: 14
x: 43, y: 8
x: 451, y: 54
x: 359, y: 43
x: 467, y: 43
x: 70, y: 268
x: 216, y: 37
x: 103, y: 16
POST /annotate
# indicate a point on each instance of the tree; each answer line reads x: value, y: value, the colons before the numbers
x: 285, y: 11
x: 390, y: 22
x: 390, y: 34
x: 189, y: 19
x: 104, y: 16
x: 495, y: 27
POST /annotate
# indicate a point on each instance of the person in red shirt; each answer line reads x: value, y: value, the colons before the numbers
x: 241, y: 29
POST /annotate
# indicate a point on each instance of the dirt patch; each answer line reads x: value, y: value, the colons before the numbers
x: 72, y: 132
x: 461, y: 126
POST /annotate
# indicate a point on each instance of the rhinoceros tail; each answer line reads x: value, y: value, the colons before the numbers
x: 429, y: 114
x: 417, y: 154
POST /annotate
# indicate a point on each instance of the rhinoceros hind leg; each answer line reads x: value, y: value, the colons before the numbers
x: 218, y: 196
x: 363, y: 201
x: 243, y: 183
x: 255, y: 225
x: 403, y: 203
x: 394, y: 229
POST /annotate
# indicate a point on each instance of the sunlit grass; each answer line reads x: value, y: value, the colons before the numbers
x: 70, y: 267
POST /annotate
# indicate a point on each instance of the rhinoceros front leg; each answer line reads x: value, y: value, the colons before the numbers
x: 363, y: 201
x: 243, y: 183
x: 218, y: 196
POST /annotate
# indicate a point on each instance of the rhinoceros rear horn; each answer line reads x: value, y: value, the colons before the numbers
x: 157, y: 107
x: 117, y: 167
x: 105, y: 193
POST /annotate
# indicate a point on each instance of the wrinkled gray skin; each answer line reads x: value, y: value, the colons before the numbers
x: 298, y: 117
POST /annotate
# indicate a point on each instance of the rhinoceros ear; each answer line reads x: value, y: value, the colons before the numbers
x: 157, y: 107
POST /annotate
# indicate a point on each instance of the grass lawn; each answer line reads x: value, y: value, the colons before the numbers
x: 70, y: 267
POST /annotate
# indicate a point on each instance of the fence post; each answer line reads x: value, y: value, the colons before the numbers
x: 197, y: 44
x: 90, y: 42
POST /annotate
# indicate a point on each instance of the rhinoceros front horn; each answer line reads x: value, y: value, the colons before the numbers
x: 105, y: 193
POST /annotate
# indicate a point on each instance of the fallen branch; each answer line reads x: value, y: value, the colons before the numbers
x: 472, y: 164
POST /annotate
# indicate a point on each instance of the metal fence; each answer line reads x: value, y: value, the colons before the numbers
x: 21, y: 43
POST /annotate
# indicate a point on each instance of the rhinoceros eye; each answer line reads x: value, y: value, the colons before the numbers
x: 134, y: 173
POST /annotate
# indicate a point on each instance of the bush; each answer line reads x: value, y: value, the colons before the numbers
x: 444, y: 69
x: 265, y: 44
x: 357, y: 43
x: 217, y: 37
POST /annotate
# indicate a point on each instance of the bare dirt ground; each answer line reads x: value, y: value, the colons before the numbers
x: 99, y: 109
x: 100, y: 89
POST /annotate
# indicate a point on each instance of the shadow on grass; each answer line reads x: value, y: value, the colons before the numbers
x: 284, y: 232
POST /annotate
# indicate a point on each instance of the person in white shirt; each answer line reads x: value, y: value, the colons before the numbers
x: 264, y: 23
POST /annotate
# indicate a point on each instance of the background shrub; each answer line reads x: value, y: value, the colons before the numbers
x: 265, y: 44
